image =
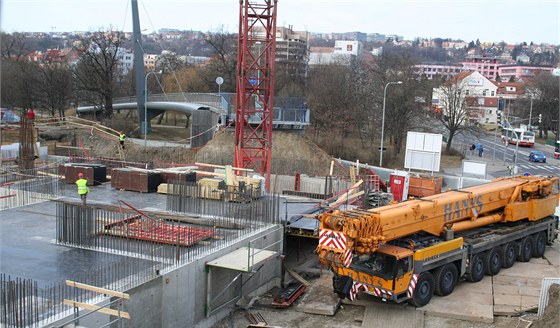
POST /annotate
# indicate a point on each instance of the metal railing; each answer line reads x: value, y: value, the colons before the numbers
x: 23, y: 187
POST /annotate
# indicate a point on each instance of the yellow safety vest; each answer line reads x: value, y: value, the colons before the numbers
x: 121, y: 137
x: 82, y: 186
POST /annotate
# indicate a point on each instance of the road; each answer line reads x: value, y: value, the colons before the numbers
x: 503, y: 154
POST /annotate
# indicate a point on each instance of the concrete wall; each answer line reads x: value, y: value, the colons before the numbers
x: 202, y: 121
x: 178, y: 297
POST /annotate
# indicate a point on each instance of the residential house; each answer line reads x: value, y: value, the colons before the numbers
x: 478, y: 93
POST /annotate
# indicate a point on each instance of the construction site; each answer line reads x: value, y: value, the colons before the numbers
x: 236, y: 232
x: 199, y: 244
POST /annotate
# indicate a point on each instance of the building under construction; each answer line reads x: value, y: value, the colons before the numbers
x: 183, y: 256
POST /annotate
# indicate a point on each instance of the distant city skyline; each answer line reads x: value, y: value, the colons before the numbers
x: 493, y: 20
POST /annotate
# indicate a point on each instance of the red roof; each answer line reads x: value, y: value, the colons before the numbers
x: 458, y: 77
x: 502, y: 87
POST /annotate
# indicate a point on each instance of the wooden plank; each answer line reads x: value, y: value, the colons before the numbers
x: 222, y: 166
x: 162, y: 188
x: 121, y: 314
x: 298, y: 277
x: 342, y: 200
x: 230, y: 178
x: 97, y: 289
x: 209, y: 173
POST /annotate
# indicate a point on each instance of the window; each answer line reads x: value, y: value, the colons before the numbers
x: 484, y: 92
x: 492, y: 93
x: 466, y: 92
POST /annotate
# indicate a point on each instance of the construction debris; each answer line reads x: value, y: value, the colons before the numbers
x: 288, y: 295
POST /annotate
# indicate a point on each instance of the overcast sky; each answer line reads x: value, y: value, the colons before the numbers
x: 512, y: 21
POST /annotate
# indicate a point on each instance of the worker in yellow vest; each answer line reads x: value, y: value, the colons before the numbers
x: 122, y: 136
x: 83, y: 189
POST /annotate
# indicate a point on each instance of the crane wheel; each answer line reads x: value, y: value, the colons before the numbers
x: 526, y: 249
x: 446, y: 279
x: 424, y: 289
x: 539, y: 245
x: 476, y: 269
x: 509, y: 255
x: 494, y: 261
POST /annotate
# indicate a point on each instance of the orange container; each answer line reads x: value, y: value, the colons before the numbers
x: 422, y: 186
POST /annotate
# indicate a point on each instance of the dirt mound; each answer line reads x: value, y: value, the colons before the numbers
x: 292, y: 153
x: 551, y: 315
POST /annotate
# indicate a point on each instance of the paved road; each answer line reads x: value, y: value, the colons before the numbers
x: 501, y: 157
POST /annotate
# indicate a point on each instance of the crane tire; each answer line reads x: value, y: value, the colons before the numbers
x: 424, y: 289
x: 526, y: 249
x: 446, y: 278
x: 540, y: 244
x: 509, y: 254
x: 477, y: 268
x: 494, y: 261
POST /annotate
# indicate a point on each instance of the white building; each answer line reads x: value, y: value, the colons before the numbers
x: 479, y: 94
x: 126, y: 60
x: 354, y: 48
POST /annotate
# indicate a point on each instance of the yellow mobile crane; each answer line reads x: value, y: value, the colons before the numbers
x: 411, y: 250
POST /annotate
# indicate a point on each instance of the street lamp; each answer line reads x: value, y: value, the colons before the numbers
x: 146, y: 107
x: 383, y: 122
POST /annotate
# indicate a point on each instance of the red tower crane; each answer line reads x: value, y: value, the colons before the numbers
x: 255, y: 86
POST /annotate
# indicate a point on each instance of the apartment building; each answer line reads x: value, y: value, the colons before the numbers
x: 430, y: 71
x: 150, y: 61
x: 521, y: 72
x: 291, y: 51
x: 485, y: 65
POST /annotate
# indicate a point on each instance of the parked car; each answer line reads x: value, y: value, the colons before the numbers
x: 537, y: 156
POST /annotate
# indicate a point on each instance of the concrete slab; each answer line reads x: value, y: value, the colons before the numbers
x: 469, y: 301
x: 530, y: 270
x: 552, y: 255
x: 392, y: 315
x: 518, y: 300
x: 518, y: 288
x: 509, y: 289
x: 320, y: 298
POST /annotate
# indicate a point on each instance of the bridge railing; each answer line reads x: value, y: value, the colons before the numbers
x: 210, y: 99
x: 289, y: 112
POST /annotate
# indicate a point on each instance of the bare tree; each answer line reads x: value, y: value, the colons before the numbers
x: 18, y: 77
x: 452, y: 108
x: 13, y: 46
x: 334, y: 104
x: 402, y: 109
x: 98, y: 67
x: 545, y: 102
x: 54, y: 87
x: 224, y: 61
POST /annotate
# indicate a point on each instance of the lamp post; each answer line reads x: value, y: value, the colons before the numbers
x: 146, y: 107
x: 530, y: 114
x: 383, y: 121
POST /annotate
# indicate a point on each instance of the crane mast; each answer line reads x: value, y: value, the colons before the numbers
x: 255, y: 86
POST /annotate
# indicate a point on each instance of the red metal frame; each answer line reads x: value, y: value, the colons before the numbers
x: 255, y: 85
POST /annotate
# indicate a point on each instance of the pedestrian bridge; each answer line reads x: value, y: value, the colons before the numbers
x: 208, y: 111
